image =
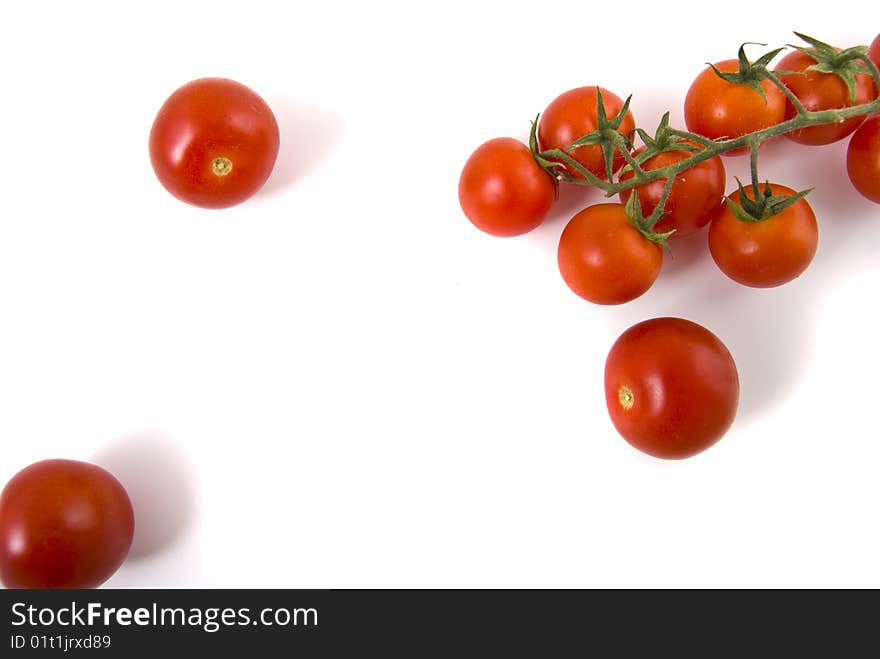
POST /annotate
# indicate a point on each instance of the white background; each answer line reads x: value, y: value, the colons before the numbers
x: 342, y: 383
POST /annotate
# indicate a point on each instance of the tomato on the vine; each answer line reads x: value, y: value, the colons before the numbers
x: 573, y: 115
x: 863, y: 159
x: 716, y: 108
x: 768, y: 252
x: 671, y: 387
x: 694, y: 198
x: 604, y: 258
x: 503, y: 190
x: 63, y: 524
x: 214, y: 143
x: 821, y: 91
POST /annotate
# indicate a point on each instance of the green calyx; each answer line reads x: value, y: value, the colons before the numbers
x: 607, y: 134
x: 763, y: 204
x: 846, y: 64
x: 664, y: 139
x: 552, y: 168
x: 645, y: 225
x: 750, y: 73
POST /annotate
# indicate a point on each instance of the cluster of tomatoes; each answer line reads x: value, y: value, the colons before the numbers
x: 671, y: 385
x: 70, y: 524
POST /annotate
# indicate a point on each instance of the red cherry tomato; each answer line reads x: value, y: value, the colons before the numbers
x: 874, y: 51
x: 604, y: 258
x: 63, y: 524
x: 502, y: 189
x: 716, y: 108
x: 821, y: 91
x: 863, y: 159
x: 694, y: 198
x: 767, y: 253
x: 671, y: 387
x: 214, y: 143
x: 574, y: 114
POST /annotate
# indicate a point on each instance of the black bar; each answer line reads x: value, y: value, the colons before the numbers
x: 454, y: 623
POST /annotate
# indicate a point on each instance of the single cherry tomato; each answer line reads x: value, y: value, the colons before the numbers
x: 716, y: 108
x: 214, y: 143
x: 573, y: 115
x: 604, y: 258
x: 768, y: 252
x: 63, y: 524
x: 874, y: 51
x: 671, y: 387
x: 863, y: 159
x: 694, y: 198
x: 821, y: 91
x: 503, y: 190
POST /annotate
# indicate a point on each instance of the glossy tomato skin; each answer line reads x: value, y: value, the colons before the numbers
x: 214, y: 143
x: 604, y: 258
x: 671, y: 387
x: 502, y: 189
x: 716, y: 108
x: 572, y: 115
x: 863, y: 159
x: 695, y: 197
x: 63, y: 524
x: 821, y: 91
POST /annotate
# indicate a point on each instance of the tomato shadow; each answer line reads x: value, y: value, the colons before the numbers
x: 683, y: 254
x: 308, y: 136
x: 572, y: 200
x: 766, y: 330
x: 846, y: 219
x: 768, y: 333
x: 159, y: 482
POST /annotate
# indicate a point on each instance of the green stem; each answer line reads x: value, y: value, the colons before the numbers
x: 659, y: 210
x: 790, y: 95
x: 753, y: 165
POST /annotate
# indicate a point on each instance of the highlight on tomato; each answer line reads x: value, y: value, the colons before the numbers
x: 767, y: 240
x: 214, y: 143
x: 671, y: 387
x: 503, y: 190
x: 63, y: 524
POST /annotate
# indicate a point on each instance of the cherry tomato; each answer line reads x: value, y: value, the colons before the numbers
x: 874, y: 51
x: 694, y: 198
x: 821, y: 91
x: 502, y: 189
x: 63, y: 524
x: 214, y: 143
x: 572, y: 115
x: 604, y: 258
x: 769, y: 252
x: 863, y: 159
x: 671, y: 387
x: 717, y: 108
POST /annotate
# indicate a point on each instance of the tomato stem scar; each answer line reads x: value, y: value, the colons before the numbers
x: 221, y: 166
x: 626, y: 397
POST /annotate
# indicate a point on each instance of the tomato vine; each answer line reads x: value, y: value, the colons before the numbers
x: 560, y: 164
